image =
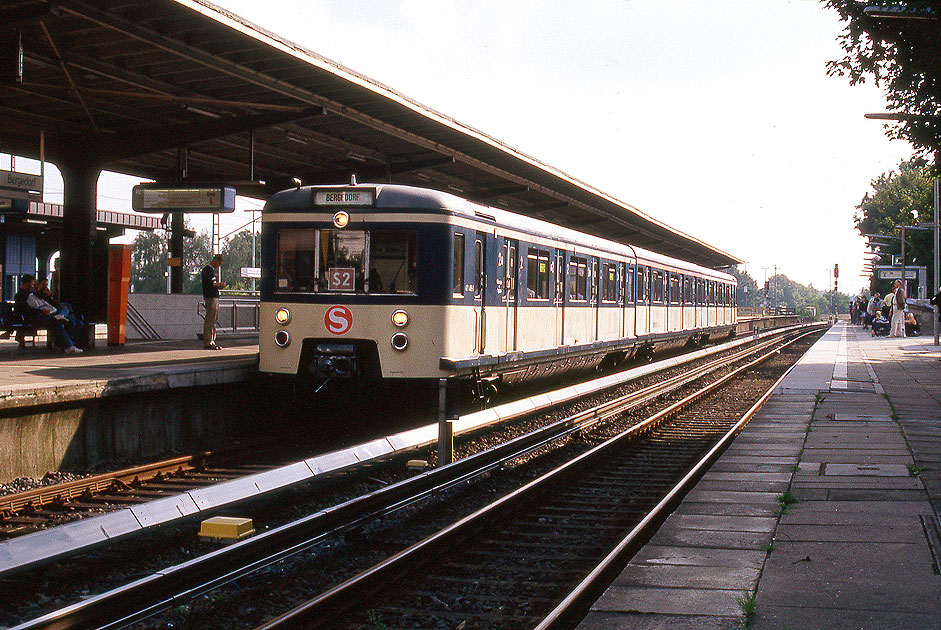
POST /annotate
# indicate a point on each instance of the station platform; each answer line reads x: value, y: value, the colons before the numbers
x: 37, y: 375
x: 823, y: 513
x: 136, y: 402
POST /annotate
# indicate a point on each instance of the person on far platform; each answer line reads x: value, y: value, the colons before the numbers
x: 898, y: 311
x: 211, y: 288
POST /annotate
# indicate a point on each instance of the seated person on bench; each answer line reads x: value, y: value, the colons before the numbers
x: 880, y: 326
x: 37, y: 312
x: 76, y: 323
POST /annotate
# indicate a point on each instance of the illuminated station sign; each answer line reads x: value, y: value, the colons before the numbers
x: 181, y: 198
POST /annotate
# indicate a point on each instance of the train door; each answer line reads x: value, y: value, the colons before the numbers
x: 594, y: 297
x: 480, y: 290
x: 510, y: 277
x: 558, y: 298
x: 622, y: 300
x: 641, y: 306
x: 629, y: 306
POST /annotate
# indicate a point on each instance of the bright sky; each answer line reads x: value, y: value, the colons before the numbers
x: 717, y: 117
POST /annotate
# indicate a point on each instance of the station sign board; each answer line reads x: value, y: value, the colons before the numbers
x: 182, y: 198
x: 250, y: 272
x: 896, y: 274
x: 15, y: 185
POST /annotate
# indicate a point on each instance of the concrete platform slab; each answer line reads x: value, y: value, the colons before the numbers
x: 775, y: 617
x: 866, y: 470
x: 646, y: 621
x: 671, y: 601
x: 684, y: 576
x: 705, y: 539
x: 679, y: 556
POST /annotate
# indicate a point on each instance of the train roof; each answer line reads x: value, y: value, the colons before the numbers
x: 399, y: 197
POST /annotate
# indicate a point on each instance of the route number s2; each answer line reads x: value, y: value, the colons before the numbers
x: 341, y: 279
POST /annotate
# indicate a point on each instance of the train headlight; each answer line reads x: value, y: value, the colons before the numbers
x: 282, y: 316
x: 399, y: 341
x: 400, y: 318
x: 282, y: 338
x: 341, y: 219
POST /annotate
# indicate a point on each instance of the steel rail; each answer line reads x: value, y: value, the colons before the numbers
x: 175, y: 585
x: 352, y: 590
x: 593, y: 584
x: 38, y: 497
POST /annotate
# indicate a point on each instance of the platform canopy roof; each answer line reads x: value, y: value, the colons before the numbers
x: 133, y: 82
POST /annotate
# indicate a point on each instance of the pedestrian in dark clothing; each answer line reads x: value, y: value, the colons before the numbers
x: 211, y: 288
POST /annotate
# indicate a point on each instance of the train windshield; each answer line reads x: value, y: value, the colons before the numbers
x: 336, y: 261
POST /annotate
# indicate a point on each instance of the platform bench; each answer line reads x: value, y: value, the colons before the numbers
x: 13, y: 326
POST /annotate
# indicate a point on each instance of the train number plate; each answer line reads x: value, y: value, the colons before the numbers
x: 341, y: 279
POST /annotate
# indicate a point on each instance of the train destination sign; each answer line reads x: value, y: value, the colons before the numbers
x: 359, y: 197
x: 181, y: 198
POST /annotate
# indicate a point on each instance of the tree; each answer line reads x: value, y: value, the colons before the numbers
x: 238, y: 254
x: 196, y: 254
x: 149, y: 262
x: 900, y: 198
x: 747, y: 294
x: 901, y: 54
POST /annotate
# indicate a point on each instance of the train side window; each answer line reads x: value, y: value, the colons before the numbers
x: 609, y: 287
x: 478, y: 267
x: 629, y: 284
x: 537, y: 274
x: 674, y: 289
x: 458, y: 284
x: 641, y: 281
x: 578, y: 279
x: 657, y: 290
x: 687, y: 290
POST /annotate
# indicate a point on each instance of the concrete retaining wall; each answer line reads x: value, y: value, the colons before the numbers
x: 77, y: 435
x: 173, y: 316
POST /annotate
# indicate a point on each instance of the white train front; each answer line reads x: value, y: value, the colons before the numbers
x: 371, y: 283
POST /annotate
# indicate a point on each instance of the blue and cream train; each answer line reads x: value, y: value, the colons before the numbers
x: 374, y: 283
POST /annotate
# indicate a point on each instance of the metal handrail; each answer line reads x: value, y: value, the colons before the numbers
x: 228, y: 320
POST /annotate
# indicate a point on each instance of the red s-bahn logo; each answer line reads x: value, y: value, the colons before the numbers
x: 338, y: 319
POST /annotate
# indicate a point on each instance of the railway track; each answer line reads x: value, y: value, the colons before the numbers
x: 173, y: 585
x: 40, y: 508
x: 55, y: 504
x: 509, y: 564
